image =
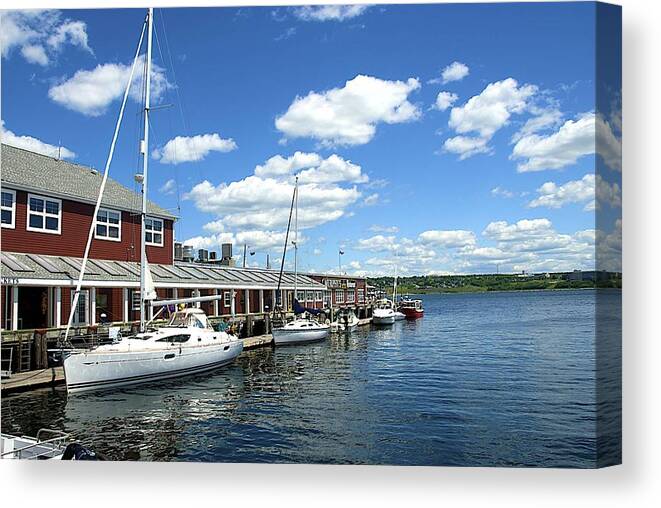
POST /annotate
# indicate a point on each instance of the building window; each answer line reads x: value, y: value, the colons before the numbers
x: 309, y: 296
x: 361, y: 296
x: 318, y: 296
x: 300, y: 295
x: 154, y: 231
x: 351, y: 296
x: 109, y: 225
x: 227, y: 298
x: 8, y: 208
x: 339, y: 296
x: 44, y: 214
x: 328, y: 299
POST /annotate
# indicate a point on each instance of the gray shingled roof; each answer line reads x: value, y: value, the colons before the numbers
x: 62, y: 268
x: 32, y: 171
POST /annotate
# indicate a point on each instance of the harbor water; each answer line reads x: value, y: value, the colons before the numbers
x: 489, y: 379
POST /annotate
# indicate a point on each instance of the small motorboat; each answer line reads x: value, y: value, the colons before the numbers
x: 346, y: 321
x: 300, y: 331
x: 49, y: 444
x: 412, y: 309
x: 384, y: 313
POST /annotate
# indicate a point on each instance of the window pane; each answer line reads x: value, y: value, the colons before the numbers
x: 113, y: 217
x: 158, y: 225
x: 148, y: 224
x: 52, y: 207
x: 102, y: 216
x: 158, y: 238
x: 36, y: 205
x: 6, y: 217
x: 148, y: 237
x: 7, y: 199
x: 113, y: 232
x: 52, y: 223
x: 100, y: 230
x: 36, y: 221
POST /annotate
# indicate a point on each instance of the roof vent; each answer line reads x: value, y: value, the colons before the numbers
x: 94, y: 171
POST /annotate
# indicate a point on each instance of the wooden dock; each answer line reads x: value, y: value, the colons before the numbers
x: 33, y: 379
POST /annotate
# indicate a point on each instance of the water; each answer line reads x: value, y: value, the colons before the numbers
x: 497, y: 379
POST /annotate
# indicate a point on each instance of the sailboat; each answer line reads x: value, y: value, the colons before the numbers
x: 186, y: 345
x: 301, y: 329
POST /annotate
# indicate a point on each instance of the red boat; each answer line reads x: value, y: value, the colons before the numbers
x: 412, y: 309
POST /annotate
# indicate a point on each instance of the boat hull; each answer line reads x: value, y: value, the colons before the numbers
x: 283, y: 337
x: 412, y: 313
x: 105, y: 370
x: 383, y: 320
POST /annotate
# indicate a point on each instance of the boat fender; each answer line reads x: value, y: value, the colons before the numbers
x: 75, y: 451
x: 327, y: 321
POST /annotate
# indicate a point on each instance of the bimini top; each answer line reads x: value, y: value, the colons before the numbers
x: 31, y: 171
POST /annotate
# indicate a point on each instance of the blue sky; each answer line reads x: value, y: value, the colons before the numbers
x: 439, y: 138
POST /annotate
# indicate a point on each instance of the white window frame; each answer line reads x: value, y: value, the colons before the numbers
x: 227, y: 299
x: 12, y: 209
x: 361, y: 296
x: 309, y: 296
x: 300, y: 295
x: 162, y: 232
x: 339, y: 296
x: 108, y: 224
x: 44, y: 215
x: 318, y: 296
x: 328, y: 298
x: 351, y: 297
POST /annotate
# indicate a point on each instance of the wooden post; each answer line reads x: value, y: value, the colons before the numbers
x: 246, y: 311
x: 215, y: 303
x: 14, y: 308
x: 261, y: 301
x: 233, y: 303
x: 249, y: 324
x: 58, y: 307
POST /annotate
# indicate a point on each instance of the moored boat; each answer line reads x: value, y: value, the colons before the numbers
x: 383, y: 313
x: 300, y: 331
x: 412, y: 309
x: 187, y: 345
x: 346, y: 321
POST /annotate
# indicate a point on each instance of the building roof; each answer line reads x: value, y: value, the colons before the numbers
x: 40, y: 270
x: 26, y: 170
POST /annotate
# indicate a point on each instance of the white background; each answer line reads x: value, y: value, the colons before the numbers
x: 633, y: 484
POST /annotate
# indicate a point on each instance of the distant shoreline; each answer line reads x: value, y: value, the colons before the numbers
x: 518, y: 290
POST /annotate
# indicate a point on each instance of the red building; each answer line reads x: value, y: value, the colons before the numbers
x: 47, y: 210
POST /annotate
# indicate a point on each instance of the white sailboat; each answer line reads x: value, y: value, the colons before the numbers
x: 187, y: 345
x: 301, y: 329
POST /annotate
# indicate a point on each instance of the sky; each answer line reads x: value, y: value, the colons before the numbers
x: 427, y: 139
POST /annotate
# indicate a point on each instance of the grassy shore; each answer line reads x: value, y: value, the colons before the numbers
x: 484, y: 283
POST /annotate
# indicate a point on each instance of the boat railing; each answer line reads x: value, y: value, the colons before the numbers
x: 51, y: 447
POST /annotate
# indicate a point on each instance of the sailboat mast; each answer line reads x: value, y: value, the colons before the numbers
x: 296, y: 240
x: 145, y: 160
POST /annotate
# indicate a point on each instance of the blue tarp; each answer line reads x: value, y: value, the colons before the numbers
x: 299, y: 309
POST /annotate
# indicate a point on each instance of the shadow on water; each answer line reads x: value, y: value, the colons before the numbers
x: 495, y: 379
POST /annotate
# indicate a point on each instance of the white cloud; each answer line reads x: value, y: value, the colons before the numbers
x: 491, y: 109
x: 456, y: 71
x: 168, y: 187
x: 448, y: 238
x: 349, y: 115
x: 329, y: 12
x: 90, y: 92
x: 609, y: 146
x: 526, y: 228
x: 35, y: 53
x: 279, y: 165
x: 375, y: 228
x: 192, y: 148
x: 499, y: 191
x: 444, y: 100
x: 609, y: 248
x: 466, y: 146
x: 608, y: 193
x: 573, y: 140
x: 371, y: 200
x: 40, y: 35
x: 485, y: 114
x: 333, y: 169
x: 544, y: 119
x: 552, y: 195
x: 34, y: 144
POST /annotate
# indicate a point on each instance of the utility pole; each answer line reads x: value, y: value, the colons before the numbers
x: 245, y: 250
